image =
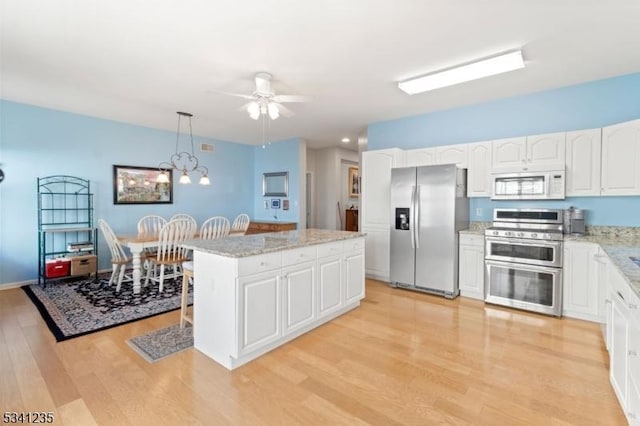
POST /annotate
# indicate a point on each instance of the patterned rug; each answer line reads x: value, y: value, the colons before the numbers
x: 73, y: 309
x: 162, y: 343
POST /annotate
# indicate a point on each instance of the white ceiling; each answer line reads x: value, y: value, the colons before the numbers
x: 140, y: 61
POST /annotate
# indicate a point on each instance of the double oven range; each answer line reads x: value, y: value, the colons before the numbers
x: 523, y: 260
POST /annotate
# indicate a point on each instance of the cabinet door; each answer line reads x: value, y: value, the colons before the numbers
x: 453, y: 154
x: 583, y: 154
x: 471, y: 271
x: 546, y: 150
x: 299, y: 287
x: 353, y: 276
x: 479, y: 170
x: 509, y: 153
x: 422, y: 157
x: 618, y: 371
x: 329, y: 285
x: 377, y: 253
x: 376, y: 182
x: 261, y: 312
x: 621, y: 159
x: 581, y: 294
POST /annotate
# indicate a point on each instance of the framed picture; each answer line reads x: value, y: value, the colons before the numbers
x: 138, y: 185
x: 354, y: 182
x: 275, y: 203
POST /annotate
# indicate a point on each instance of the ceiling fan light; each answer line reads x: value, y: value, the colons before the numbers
x: 274, y: 113
x: 254, y: 110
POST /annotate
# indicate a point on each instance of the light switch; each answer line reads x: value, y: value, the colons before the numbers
x: 266, y: 205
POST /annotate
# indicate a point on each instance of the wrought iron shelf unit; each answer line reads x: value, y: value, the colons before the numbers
x: 65, y: 218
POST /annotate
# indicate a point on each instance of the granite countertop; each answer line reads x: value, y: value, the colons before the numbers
x: 619, y: 249
x: 251, y: 245
x: 476, y: 228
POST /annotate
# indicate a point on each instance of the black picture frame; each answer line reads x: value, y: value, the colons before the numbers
x: 138, y: 185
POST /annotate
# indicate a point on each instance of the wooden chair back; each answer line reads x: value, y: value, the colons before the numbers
x: 118, y: 254
x: 215, y: 227
x: 240, y: 223
x: 172, y: 235
x: 150, y: 225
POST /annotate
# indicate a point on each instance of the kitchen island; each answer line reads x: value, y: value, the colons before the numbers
x: 256, y: 292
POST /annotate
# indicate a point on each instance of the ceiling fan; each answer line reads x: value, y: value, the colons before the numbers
x: 264, y: 101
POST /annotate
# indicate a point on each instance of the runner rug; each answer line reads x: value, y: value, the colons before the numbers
x: 73, y: 309
x: 162, y: 343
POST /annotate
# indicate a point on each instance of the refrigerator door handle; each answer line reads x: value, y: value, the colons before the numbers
x: 416, y: 227
x: 412, y: 217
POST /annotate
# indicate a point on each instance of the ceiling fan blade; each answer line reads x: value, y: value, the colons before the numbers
x: 284, y: 110
x: 291, y: 98
x: 244, y: 107
x: 237, y: 95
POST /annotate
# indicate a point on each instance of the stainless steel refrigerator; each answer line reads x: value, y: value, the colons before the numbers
x: 428, y: 208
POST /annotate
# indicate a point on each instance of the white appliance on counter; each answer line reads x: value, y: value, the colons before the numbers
x: 540, y: 185
x: 428, y: 207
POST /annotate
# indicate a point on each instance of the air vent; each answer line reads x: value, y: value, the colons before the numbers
x: 206, y: 147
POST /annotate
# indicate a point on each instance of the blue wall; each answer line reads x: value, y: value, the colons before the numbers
x: 283, y: 156
x: 584, y: 106
x: 37, y: 142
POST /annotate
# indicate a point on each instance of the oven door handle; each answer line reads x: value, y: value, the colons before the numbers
x: 523, y: 267
x: 520, y: 242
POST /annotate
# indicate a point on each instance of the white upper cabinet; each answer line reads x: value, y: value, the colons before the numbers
x: 479, y: 170
x: 529, y: 153
x: 583, y: 156
x: 509, y: 153
x: 422, y: 157
x: 546, y: 150
x: 376, y: 183
x: 453, y: 154
x: 621, y: 159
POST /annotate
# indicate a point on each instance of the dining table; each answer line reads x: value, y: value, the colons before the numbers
x: 137, y: 245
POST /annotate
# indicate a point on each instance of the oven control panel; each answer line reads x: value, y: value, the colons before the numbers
x: 532, y: 235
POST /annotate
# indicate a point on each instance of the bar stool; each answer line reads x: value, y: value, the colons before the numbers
x: 187, y: 273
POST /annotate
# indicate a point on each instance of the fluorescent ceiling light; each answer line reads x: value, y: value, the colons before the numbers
x: 483, y: 68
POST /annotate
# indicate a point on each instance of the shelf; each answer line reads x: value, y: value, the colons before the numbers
x: 65, y: 217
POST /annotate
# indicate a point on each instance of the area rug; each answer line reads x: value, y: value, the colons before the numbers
x: 73, y: 309
x: 162, y: 343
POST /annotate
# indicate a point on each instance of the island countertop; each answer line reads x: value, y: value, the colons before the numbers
x: 251, y: 245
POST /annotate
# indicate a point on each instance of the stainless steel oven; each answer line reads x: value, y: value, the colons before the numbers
x: 523, y: 260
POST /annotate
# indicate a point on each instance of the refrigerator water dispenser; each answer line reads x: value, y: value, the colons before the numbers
x: 402, y: 218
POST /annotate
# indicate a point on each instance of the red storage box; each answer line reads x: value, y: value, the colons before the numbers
x: 55, y: 268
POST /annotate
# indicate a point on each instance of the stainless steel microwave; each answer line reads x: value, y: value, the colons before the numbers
x: 545, y: 185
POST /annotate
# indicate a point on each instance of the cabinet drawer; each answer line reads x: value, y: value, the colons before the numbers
x: 299, y: 255
x: 261, y: 263
x: 330, y: 249
x: 353, y: 244
x: 471, y: 240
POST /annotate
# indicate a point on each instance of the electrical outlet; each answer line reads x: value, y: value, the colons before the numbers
x: 479, y: 211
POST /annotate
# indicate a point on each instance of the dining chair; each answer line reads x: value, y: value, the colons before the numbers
x: 240, y: 223
x: 215, y: 227
x: 119, y: 258
x: 170, y: 251
x: 184, y: 216
x: 212, y: 228
x: 150, y: 225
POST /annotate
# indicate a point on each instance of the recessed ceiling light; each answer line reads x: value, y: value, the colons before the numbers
x: 346, y: 140
x: 466, y: 72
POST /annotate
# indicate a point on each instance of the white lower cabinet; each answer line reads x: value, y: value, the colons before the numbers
x: 245, y: 307
x: 329, y: 285
x: 354, y: 277
x: 261, y: 309
x: 471, y: 266
x: 581, y: 296
x: 624, y: 348
x: 299, y: 289
x: 377, y: 253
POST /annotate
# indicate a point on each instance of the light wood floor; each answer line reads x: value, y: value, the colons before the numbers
x: 401, y: 358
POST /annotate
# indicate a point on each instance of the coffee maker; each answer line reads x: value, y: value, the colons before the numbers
x: 574, y: 221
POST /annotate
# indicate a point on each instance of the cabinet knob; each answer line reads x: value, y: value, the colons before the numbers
x: 633, y: 306
x: 632, y: 352
x: 631, y: 415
